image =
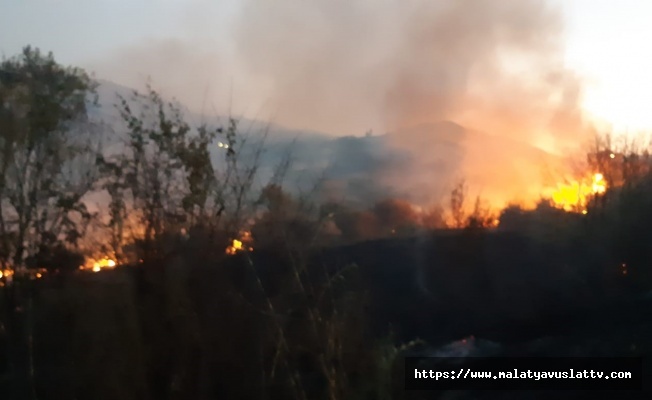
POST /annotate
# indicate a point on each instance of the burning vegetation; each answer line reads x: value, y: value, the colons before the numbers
x: 167, y: 186
x: 243, y: 243
x: 575, y: 195
x: 97, y: 265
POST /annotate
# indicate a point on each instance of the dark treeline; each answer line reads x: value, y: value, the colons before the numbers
x: 328, y: 301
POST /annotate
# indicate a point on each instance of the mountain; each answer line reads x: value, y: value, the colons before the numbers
x: 420, y: 163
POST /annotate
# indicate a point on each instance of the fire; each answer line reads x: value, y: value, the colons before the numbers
x: 575, y: 195
x: 6, y: 276
x: 99, y: 265
x: 243, y: 243
x: 599, y: 185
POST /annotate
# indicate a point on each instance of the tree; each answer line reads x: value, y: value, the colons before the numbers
x: 360, y: 225
x: 457, y: 203
x: 168, y: 178
x: 396, y: 216
x: 481, y: 217
x: 433, y: 218
x: 164, y: 178
x: 352, y: 225
x: 286, y: 222
x: 44, y: 154
x: 45, y: 170
x: 55, y: 258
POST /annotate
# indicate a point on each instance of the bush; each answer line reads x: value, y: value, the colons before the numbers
x: 56, y: 258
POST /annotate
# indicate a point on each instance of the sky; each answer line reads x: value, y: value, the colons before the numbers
x: 605, y: 42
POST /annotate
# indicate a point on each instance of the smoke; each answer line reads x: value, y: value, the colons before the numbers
x: 398, y: 66
x: 405, y: 66
x: 498, y: 64
x: 175, y: 67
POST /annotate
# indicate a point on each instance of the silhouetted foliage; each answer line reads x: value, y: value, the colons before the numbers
x: 319, y: 307
x: 44, y: 163
x: 457, y: 204
x: 396, y: 217
x: 284, y: 224
x: 46, y: 148
x: 56, y: 258
x: 481, y: 216
x: 164, y: 177
x: 434, y: 218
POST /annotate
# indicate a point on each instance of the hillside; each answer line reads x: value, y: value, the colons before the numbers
x: 420, y: 163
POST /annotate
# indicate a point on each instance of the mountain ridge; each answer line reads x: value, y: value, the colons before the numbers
x: 417, y: 162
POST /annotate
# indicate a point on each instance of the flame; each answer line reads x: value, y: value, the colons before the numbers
x: 243, y: 243
x: 98, y: 265
x: 235, y: 247
x: 574, y: 196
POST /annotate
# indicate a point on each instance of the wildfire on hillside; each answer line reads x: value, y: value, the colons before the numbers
x: 242, y: 243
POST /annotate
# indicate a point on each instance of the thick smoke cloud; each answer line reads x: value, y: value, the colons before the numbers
x: 411, y: 62
x: 404, y: 66
x: 398, y: 66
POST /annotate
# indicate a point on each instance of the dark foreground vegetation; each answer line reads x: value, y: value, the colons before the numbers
x: 327, y: 303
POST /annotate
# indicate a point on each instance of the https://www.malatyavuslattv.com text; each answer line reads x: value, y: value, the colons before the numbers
x: 468, y: 373
x: 426, y: 373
